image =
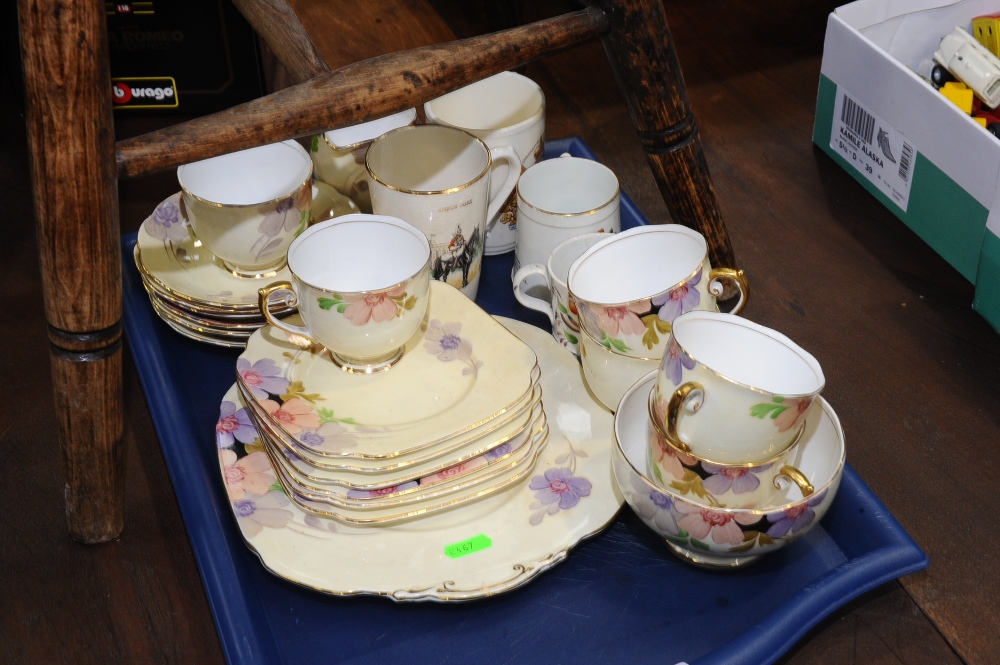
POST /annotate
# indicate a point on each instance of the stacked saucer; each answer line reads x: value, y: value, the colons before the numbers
x: 458, y: 418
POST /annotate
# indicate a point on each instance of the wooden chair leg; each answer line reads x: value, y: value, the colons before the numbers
x: 72, y: 157
x: 642, y: 55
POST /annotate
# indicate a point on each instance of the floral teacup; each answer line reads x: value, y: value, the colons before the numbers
x: 719, y: 485
x: 248, y: 206
x: 720, y: 537
x: 360, y: 283
x: 730, y: 391
x: 629, y: 288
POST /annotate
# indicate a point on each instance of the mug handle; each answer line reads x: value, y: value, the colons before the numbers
x: 507, y: 154
x: 791, y: 473
x: 531, y: 302
x: 738, y: 276
x: 691, y: 389
x: 299, y: 335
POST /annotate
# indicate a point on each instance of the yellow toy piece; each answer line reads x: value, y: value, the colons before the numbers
x: 959, y: 94
x: 986, y: 30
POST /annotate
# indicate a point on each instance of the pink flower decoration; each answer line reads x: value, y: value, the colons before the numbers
x: 702, y: 523
x: 669, y: 459
x: 377, y: 307
x: 252, y: 474
x: 617, y: 321
x: 794, y: 414
x: 294, y: 415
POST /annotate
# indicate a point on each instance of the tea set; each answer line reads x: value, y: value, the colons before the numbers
x: 374, y: 402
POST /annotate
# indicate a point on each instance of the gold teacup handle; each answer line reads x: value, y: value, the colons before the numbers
x: 678, y: 400
x: 716, y: 289
x: 263, y: 302
x: 790, y: 472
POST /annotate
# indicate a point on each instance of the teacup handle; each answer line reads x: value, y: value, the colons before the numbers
x: 738, y: 276
x: 506, y: 154
x: 791, y: 473
x: 263, y: 300
x: 531, y: 302
x: 693, y: 390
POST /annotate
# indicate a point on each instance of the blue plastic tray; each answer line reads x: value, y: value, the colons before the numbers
x: 619, y: 597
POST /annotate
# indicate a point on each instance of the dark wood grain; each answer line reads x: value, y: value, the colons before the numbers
x: 356, y: 93
x: 64, y: 53
x: 280, y: 28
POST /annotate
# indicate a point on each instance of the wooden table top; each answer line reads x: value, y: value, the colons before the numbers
x: 911, y: 369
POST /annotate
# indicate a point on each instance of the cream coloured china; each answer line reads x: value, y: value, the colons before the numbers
x: 504, y: 109
x: 365, y: 474
x: 360, y: 285
x: 718, y: 537
x: 513, y: 536
x: 457, y: 476
x: 730, y: 391
x: 248, y: 206
x: 213, y: 331
x: 461, y: 370
x: 610, y: 375
x: 204, y: 337
x: 176, y: 261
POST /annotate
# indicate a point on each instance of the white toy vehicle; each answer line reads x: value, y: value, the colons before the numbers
x: 972, y: 64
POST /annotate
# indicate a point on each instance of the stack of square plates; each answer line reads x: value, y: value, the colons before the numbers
x: 457, y: 419
x: 189, y: 287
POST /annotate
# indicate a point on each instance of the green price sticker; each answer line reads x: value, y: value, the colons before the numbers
x: 474, y: 544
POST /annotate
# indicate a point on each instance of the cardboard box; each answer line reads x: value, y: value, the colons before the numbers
x: 181, y: 56
x: 879, y: 118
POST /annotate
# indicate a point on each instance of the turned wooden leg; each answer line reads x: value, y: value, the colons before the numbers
x: 642, y: 55
x: 73, y: 169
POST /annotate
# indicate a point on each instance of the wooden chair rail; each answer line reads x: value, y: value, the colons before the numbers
x: 357, y: 93
x: 279, y: 27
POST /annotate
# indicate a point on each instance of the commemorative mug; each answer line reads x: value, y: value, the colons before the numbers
x: 561, y: 198
x: 505, y: 109
x: 438, y: 179
x: 562, y: 314
x: 730, y: 391
x: 361, y: 285
x: 338, y: 155
x: 248, y: 206
x: 630, y: 287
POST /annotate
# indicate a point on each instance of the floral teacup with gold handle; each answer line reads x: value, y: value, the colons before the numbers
x: 360, y: 283
x: 629, y: 288
x: 730, y: 391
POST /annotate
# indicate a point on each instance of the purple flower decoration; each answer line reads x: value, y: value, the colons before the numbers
x: 310, y: 439
x: 445, y: 341
x: 682, y: 298
x: 560, y: 485
x: 262, y: 378
x: 233, y: 425
x: 661, y: 500
x: 267, y: 510
x: 166, y: 223
x: 675, y: 361
x: 739, y: 480
x: 795, y: 519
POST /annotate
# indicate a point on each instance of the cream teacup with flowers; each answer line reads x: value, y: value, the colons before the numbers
x: 630, y: 287
x: 248, y: 206
x: 730, y: 391
x: 360, y: 283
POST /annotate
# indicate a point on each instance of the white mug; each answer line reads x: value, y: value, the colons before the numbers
x: 561, y: 312
x: 361, y: 284
x: 438, y: 179
x: 505, y: 109
x: 248, y: 206
x: 561, y: 198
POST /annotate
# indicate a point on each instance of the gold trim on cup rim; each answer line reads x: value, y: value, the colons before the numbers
x: 306, y: 183
x: 428, y: 192
x: 583, y: 213
x: 626, y: 303
x: 357, y: 144
x: 658, y: 427
x: 762, y: 391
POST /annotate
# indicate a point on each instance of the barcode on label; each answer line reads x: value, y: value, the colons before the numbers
x: 857, y: 120
x: 904, y: 162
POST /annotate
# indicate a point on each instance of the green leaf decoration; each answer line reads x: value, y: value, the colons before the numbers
x: 700, y: 545
x: 276, y: 486
x: 326, y: 303
x: 769, y: 409
x: 656, y: 472
x: 314, y: 144
x: 619, y: 344
x: 678, y: 540
x: 605, y: 341
x: 410, y: 302
x: 571, y: 338
x: 327, y: 416
x: 562, y: 307
x: 341, y: 307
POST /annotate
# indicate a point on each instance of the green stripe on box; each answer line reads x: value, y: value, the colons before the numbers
x: 987, y: 300
x: 943, y: 214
